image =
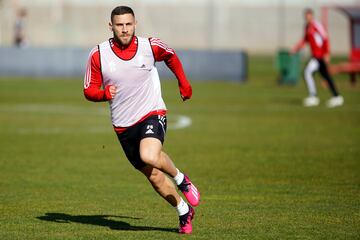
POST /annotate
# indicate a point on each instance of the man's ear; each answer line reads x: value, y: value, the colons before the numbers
x: 135, y: 23
x: 110, y: 27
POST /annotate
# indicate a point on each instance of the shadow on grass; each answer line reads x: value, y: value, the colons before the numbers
x: 101, y: 220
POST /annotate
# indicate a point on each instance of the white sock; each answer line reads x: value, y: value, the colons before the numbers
x: 179, y: 177
x: 182, y: 208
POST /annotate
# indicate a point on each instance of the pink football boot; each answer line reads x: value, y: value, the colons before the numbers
x: 190, y: 191
x: 185, y: 226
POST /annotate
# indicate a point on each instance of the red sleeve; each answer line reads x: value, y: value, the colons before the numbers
x: 299, y: 45
x: 326, y: 47
x: 93, y: 79
x: 163, y: 53
x: 322, y: 31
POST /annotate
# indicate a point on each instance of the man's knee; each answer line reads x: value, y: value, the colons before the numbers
x: 156, y: 178
x: 309, y: 72
x: 150, y: 149
x: 150, y: 157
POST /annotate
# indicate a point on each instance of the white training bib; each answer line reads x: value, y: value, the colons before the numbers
x: 137, y: 81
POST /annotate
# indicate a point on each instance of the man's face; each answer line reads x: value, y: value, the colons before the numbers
x: 308, y: 17
x: 123, y: 27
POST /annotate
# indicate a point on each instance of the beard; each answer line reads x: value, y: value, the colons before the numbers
x: 124, y: 42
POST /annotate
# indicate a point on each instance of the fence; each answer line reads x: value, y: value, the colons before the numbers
x: 69, y: 62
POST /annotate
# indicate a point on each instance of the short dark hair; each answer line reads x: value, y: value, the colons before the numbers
x: 308, y: 10
x: 120, y: 10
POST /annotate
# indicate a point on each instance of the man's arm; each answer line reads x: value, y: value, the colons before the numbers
x: 326, y: 50
x: 299, y: 46
x: 319, y: 28
x: 93, y: 80
x: 163, y: 53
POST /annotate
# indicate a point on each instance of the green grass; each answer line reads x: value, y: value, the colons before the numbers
x: 267, y: 167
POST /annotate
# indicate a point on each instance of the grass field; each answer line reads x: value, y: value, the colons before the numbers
x: 267, y: 167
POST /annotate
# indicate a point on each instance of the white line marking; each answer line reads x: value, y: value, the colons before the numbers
x: 52, y: 108
x: 176, y: 121
x: 182, y: 121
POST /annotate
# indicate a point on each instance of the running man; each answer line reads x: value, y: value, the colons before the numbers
x: 125, y: 67
x: 316, y: 36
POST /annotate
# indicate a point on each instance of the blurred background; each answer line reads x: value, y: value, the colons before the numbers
x: 205, y: 33
x: 201, y: 24
x: 257, y: 26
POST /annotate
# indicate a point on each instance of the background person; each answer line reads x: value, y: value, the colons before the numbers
x: 316, y: 36
x: 19, y: 28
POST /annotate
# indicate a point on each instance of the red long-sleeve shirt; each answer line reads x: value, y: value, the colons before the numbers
x: 93, y: 78
x: 315, y: 34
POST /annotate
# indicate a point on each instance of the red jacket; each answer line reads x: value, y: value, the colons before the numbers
x: 316, y: 36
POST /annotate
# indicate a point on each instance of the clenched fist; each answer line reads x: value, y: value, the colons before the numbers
x: 110, y: 91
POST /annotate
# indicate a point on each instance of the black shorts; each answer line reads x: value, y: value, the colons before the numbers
x: 153, y: 126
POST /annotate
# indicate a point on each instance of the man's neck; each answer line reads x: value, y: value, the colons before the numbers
x: 118, y: 43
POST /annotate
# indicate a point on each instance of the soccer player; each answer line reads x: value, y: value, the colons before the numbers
x: 125, y: 66
x: 19, y: 28
x: 316, y: 36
